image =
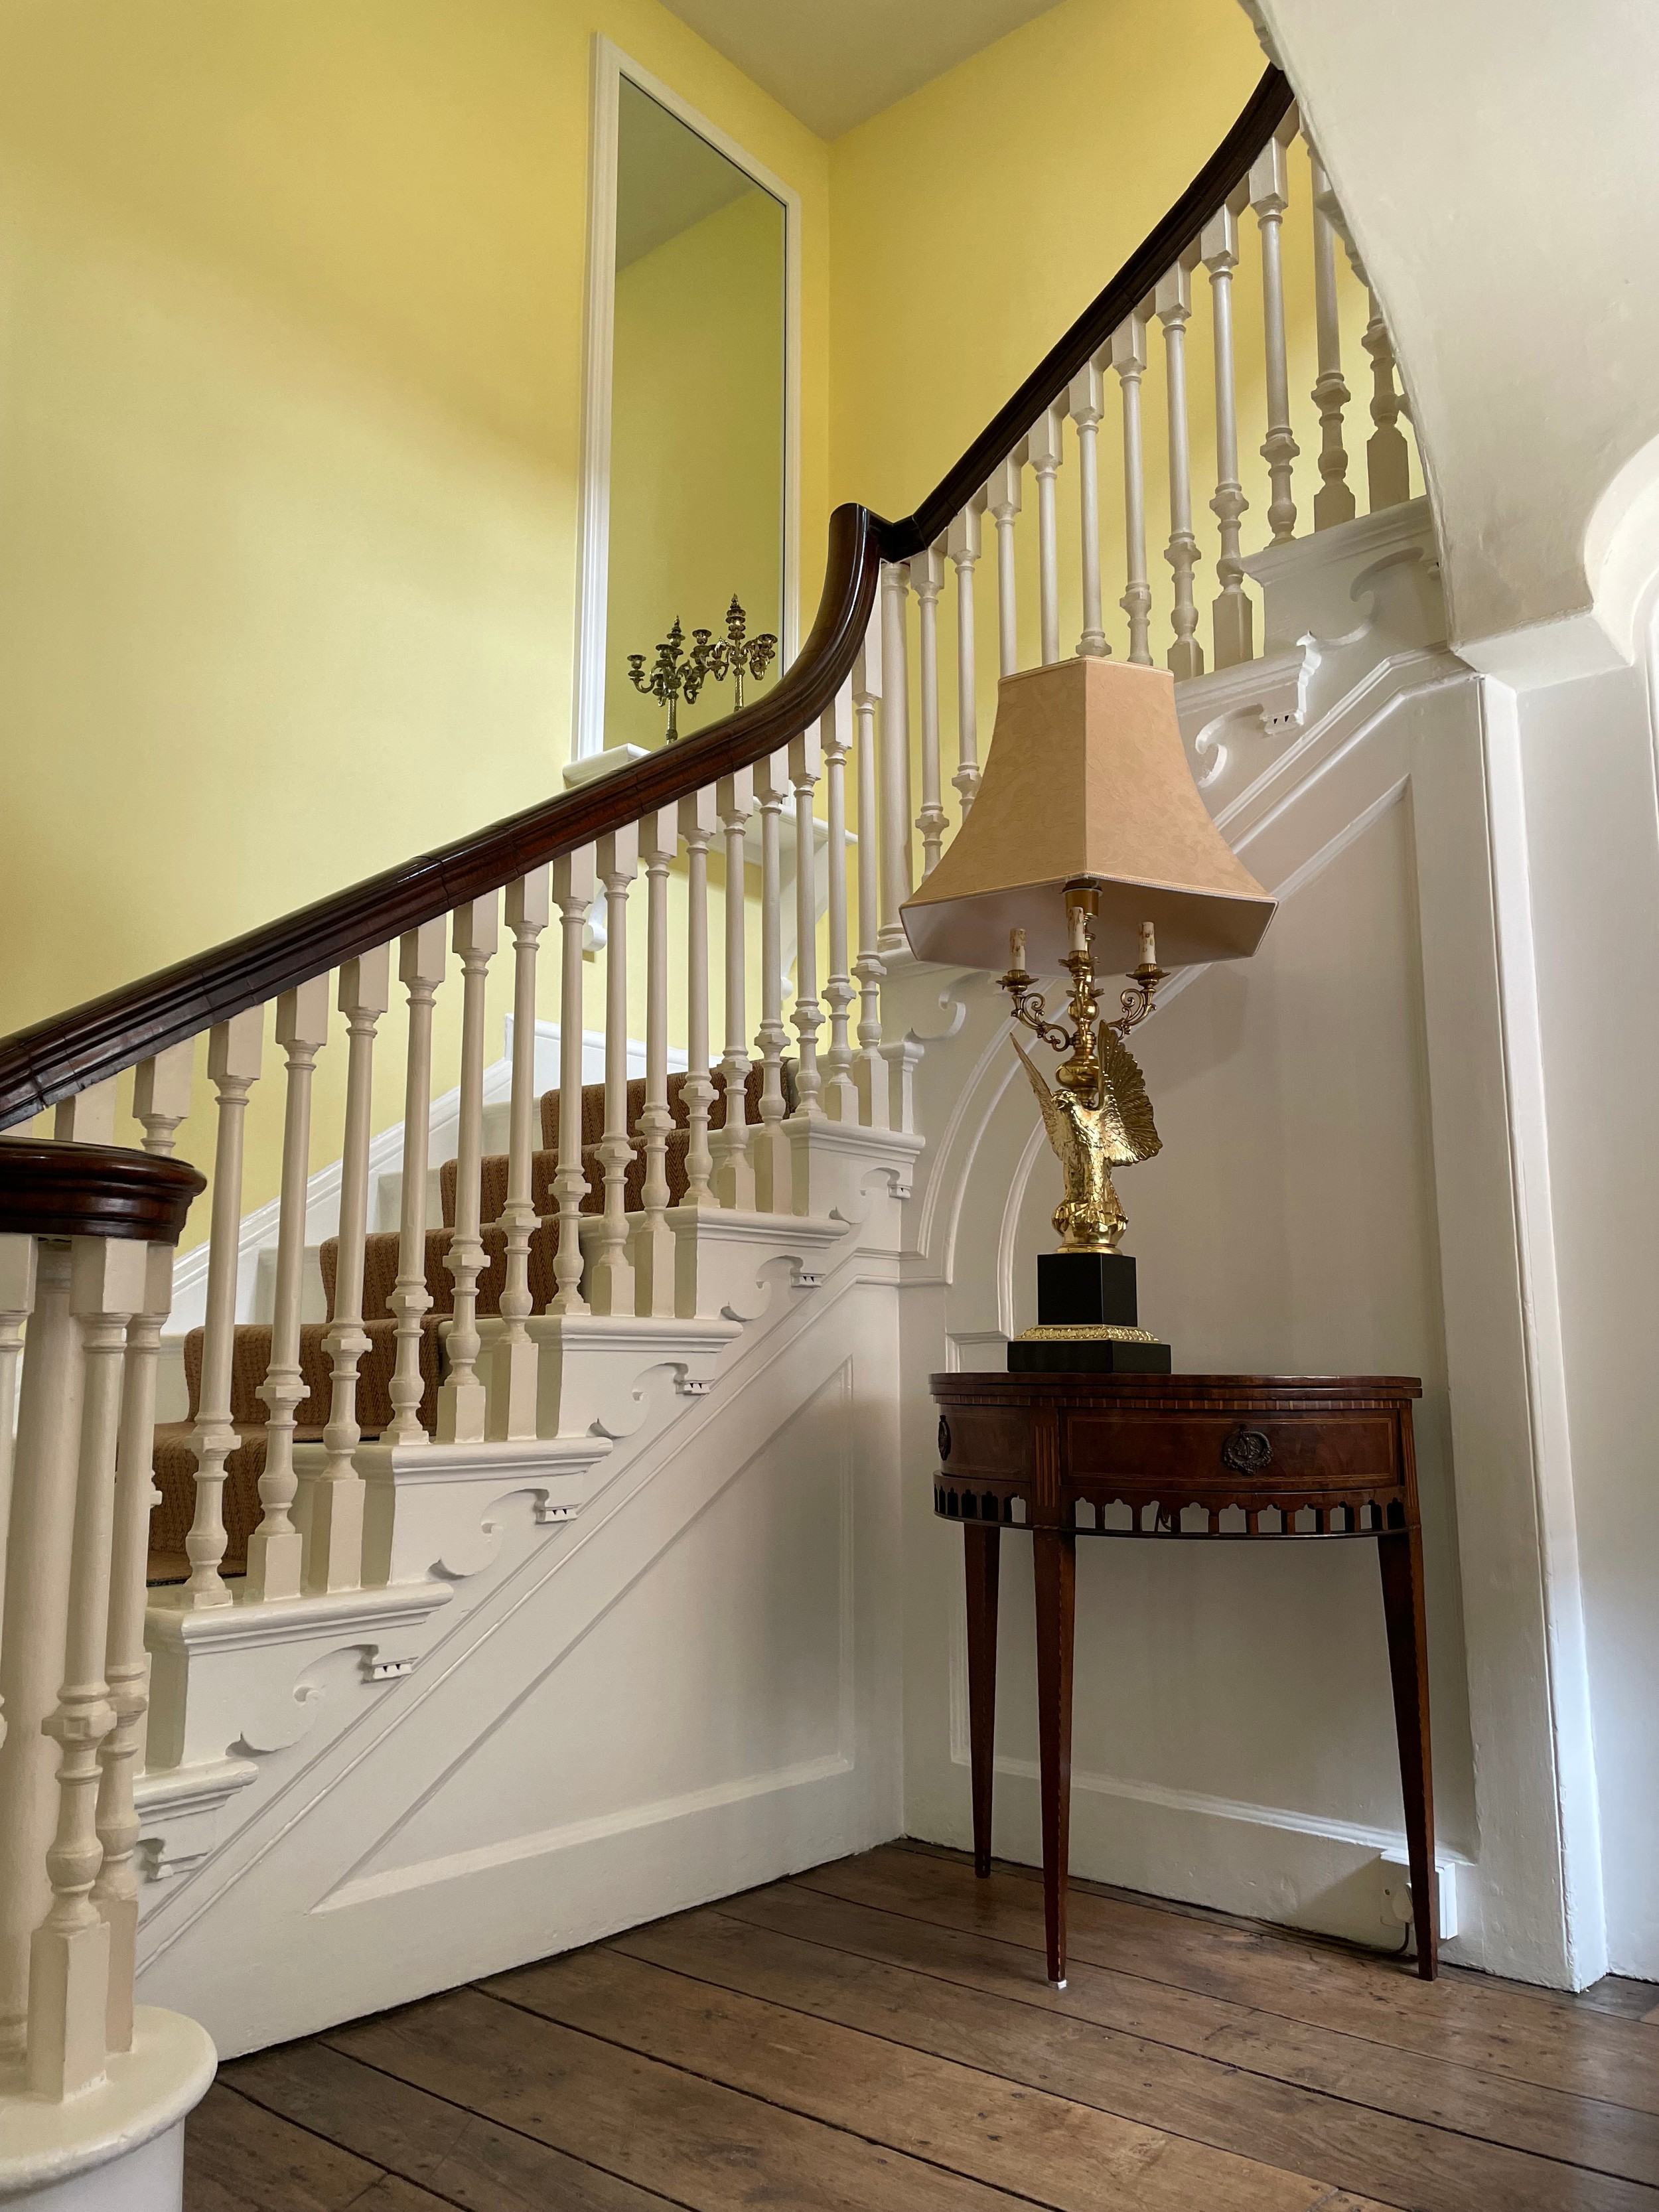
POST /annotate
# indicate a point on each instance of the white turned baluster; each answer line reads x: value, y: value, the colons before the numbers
x: 160, y: 1095
x: 234, y: 1051
x: 1387, y: 461
x: 806, y: 763
x: 574, y: 886
x: 870, y: 1069
x: 1044, y: 450
x: 1231, y: 615
x: 1002, y: 500
x: 41, y: 1523
x: 734, y: 1175
x: 421, y: 968
x: 610, y: 1278
x: 126, y: 1669
x: 697, y: 828
x: 1334, y: 501
x: 1129, y: 362
x: 70, y: 1954
x: 841, y: 1097
x: 1269, y: 197
x: 1173, y: 305
x: 651, y: 1248
x: 961, y: 543
x: 1085, y: 402
x: 894, y: 756
x: 274, y: 1554
x: 510, y: 1401
x: 87, y: 1118
x: 463, y: 1401
x: 16, y: 1304
x: 769, y: 1146
x: 928, y: 575
x: 332, y: 1495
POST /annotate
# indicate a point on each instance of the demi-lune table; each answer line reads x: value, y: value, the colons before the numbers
x: 1192, y: 1457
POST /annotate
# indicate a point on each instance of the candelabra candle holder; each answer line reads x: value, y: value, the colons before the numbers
x: 739, y: 655
x: 674, y: 674
x: 1097, y: 1116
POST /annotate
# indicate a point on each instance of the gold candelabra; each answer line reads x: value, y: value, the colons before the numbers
x: 1096, y: 1115
x: 674, y: 674
x: 739, y: 654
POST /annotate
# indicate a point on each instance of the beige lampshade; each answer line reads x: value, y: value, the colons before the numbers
x: 1088, y: 778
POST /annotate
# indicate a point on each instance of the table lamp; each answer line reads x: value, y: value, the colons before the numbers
x: 1088, y: 848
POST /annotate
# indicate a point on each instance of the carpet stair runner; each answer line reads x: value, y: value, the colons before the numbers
x: 175, y: 1464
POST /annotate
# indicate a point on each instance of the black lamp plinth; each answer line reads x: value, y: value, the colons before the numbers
x: 1090, y: 1294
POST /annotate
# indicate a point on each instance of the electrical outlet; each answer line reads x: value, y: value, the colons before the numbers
x: 1396, y: 1871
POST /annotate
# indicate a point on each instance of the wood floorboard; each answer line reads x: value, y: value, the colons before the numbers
x: 1613, y: 1993
x: 240, y: 2158
x: 1057, y: 2153
x: 1427, y: 2169
x: 689, y: 2139
x: 878, y: 2035
x: 463, y: 2159
x: 1555, y: 2125
x: 1586, y: 2053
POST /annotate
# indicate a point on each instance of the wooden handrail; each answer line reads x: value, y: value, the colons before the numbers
x: 94, y: 1190
x: 70, y: 1052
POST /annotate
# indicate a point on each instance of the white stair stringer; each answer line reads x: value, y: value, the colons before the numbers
x: 614, y: 1673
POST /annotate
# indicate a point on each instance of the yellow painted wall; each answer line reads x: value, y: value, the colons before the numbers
x: 292, y: 293
x: 696, y: 450
x: 974, y: 220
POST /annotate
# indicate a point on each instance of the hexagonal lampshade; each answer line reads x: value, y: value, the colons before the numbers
x: 1087, y: 780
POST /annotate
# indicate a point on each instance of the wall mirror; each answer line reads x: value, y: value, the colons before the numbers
x: 699, y: 427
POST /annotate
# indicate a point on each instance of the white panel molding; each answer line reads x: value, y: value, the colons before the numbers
x: 1571, y: 1746
x: 610, y: 66
x: 301, y: 1829
x: 548, y: 1843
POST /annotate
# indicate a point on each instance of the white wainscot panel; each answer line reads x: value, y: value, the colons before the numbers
x: 723, y: 1672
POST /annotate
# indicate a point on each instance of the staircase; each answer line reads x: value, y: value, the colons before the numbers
x: 652, y: 1331
x: 251, y: 1357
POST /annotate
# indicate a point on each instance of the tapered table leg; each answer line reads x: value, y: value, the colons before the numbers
x: 1399, y: 1553
x: 981, y: 1559
x: 1054, y: 1558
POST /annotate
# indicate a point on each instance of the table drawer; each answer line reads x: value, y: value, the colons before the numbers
x: 981, y: 1441
x: 1230, y: 1447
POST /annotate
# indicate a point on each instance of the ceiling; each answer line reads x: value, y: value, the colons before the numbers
x: 835, y: 63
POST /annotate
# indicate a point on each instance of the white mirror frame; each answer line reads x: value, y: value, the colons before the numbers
x: 610, y: 65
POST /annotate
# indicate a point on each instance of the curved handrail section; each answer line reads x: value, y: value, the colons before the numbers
x: 68, y: 1051
x: 94, y: 1190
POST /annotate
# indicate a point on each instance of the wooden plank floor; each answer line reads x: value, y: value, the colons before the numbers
x: 878, y: 2035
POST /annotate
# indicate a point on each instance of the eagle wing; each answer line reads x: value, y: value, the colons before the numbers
x: 1053, y: 1119
x: 1135, y: 1136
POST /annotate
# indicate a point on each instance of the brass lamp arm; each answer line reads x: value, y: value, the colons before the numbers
x: 1026, y: 1004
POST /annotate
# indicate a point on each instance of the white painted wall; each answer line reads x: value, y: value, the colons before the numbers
x: 1592, y: 849
x: 1497, y: 167
x: 1495, y: 159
